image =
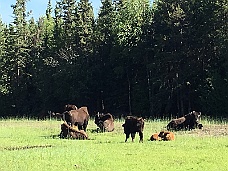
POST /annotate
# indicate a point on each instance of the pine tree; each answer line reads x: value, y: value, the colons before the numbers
x: 102, y: 68
x: 17, y: 55
x: 3, y: 76
x: 128, y: 24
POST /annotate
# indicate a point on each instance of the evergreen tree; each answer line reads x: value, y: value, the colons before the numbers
x: 130, y: 19
x: 16, y: 57
x: 4, y: 78
x: 103, y: 81
x: 184, y: 52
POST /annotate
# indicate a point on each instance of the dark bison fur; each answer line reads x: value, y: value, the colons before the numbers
x: 72, y: 132
x: 187, y: 122
x: 79, y: 117
x: 200, y: 126
x: 132, y: 125
x: 69, y: 107
x: 105, y: 122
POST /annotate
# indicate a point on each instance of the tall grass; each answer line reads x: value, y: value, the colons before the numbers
x: 27, y: 145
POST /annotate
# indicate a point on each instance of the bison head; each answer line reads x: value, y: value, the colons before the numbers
x: 69, y: 107
x: 196, y: 116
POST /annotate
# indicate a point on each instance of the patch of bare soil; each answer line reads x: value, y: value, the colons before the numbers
x: 211, y: 130
x: 26, y: 147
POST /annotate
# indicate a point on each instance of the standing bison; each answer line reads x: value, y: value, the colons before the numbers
x: 132, y: 125
x: 187, y: 122
x: 105, y: 122
x: 79, y: 117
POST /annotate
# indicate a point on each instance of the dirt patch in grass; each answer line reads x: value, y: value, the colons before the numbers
x: 211, y: 130
x: 27, y: 147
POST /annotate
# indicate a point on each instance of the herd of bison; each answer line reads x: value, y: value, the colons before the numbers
x: 75, y: 121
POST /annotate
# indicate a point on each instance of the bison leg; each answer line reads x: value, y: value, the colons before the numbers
x: 132, y: 136
x: 79, y: 127
x: 127, y: 136
x: 85, y: 125
x: 141, y: 136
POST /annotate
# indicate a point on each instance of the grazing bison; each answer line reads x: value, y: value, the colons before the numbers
x: 69, y: 107
x: 79, y: 117
x: 105, y: 122
x: 166, y: 135
x: 72, y: 132
x: 187, y: 122
x: 132, y: 125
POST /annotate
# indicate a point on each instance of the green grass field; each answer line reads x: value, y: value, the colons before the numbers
x: 30, y: 145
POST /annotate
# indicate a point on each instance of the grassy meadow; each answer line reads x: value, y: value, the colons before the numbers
x: 30, y: 145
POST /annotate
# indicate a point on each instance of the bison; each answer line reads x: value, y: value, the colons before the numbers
x: 163, y: 136
x: 166, y: 135
x: 79, y: 117
x: 132, y: 125
x: 187, y: 122
x: 155, y: 137
x: 72, y: 132
x: 69, y: 107
x: 105, y: 122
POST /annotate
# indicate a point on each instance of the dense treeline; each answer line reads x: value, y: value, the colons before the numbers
x: 159, y: 59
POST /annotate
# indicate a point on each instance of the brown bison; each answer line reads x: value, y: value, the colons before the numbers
x: 166, y: 135
x: 72, y: 132
x: 105, y: 122
x: 132, y: 125
x: 155, y: 137
x: 163, y: 136
x: 69, y: 107
x: 79, y: 117
x: 187, y: 122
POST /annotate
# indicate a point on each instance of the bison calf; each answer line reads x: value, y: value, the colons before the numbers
x: 72, y: 132
x: 132, y: 125
x: 166, y: 135
x: 155, y: 137
x: 163, y: 135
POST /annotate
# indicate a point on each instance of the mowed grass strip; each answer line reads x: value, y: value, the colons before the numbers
x: 28, y: 145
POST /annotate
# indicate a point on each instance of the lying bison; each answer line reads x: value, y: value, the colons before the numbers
x: 163, y: 136
x: 155, y: 137
x: 166, y: 135
x: 187, y: 122
x: 79, y: 117
x: 105, y: 122
x: 72, y: 132
x: 132, y: 125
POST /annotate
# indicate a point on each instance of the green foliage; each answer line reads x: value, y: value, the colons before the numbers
x: 161, y: 59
